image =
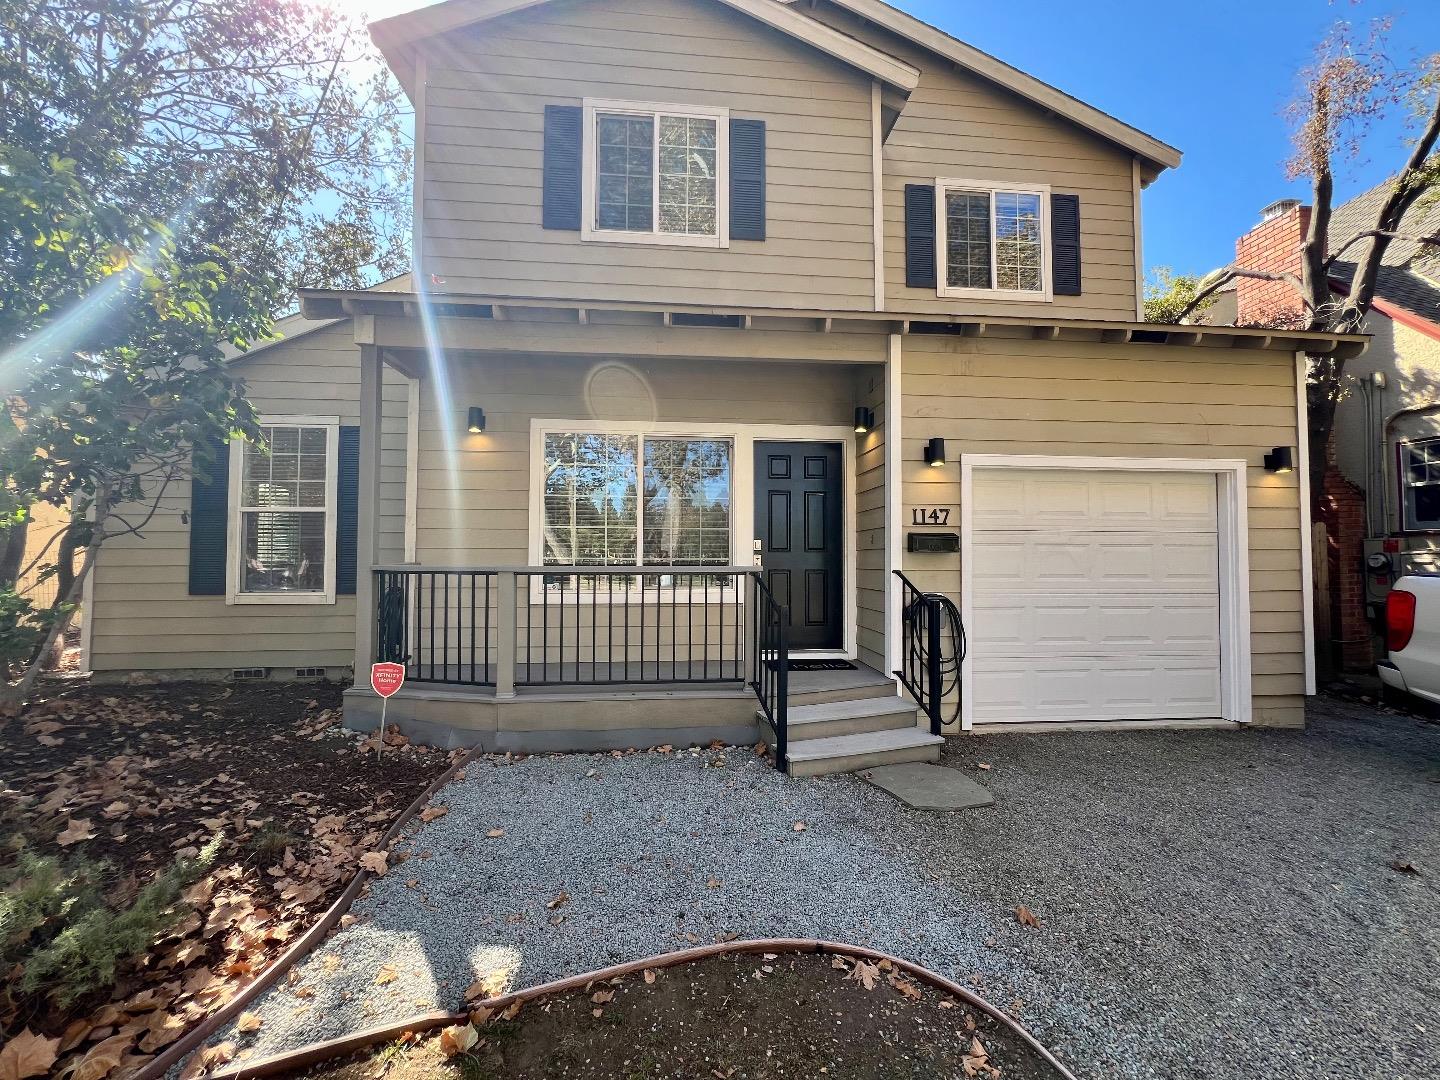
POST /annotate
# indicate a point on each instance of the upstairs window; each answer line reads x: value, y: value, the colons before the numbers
x: 994, y: 241
x: 655, y: 174
x: 1420, y: 481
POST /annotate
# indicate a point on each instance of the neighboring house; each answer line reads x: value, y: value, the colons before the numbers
x: 701, y: 283
x: 1383, y: 497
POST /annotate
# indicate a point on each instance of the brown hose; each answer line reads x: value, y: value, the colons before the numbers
x: 190, y: 1042
x: 295, y: 1060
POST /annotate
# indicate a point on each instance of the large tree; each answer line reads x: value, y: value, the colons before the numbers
x: 1352, y: 81
x: 171, y: 171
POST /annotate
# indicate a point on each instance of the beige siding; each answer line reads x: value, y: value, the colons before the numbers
x: 870, y: 521
x: 962, y: 127
x: 1020, y: 396
x: 144, y: 617
x: 484, y: 103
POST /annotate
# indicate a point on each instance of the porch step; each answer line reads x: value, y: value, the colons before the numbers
x: 852, y: 717
x: 818, y: 687
x: 847, y: 753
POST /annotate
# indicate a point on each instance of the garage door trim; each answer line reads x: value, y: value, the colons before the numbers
x: 1234, y: 558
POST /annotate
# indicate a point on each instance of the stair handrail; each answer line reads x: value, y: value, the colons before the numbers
x: 772, y: 664
x: 920, y: 670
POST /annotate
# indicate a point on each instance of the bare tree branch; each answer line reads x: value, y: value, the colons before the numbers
x: 1230, y: 273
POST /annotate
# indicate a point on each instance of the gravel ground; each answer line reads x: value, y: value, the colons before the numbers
x: 1215, y: 904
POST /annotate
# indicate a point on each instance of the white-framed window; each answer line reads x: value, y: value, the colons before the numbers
x: 993, y: 240
x: 655, y: 174
x: 1420, y: 485
x: 283, y: 499
x: 634, y: 499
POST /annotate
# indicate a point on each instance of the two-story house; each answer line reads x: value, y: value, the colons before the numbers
x: 706, y: 286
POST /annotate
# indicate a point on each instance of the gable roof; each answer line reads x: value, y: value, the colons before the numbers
x: 1156, y: 155
x: 393, y: 35
x: 397, y: 35
x: 1409, y: 276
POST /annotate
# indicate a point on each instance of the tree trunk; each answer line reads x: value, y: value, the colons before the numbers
x: 12, y: 553
x: 13, y: 699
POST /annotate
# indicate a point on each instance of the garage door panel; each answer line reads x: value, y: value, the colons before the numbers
x: 1140, y: 688
x: 1095, y: 595
x: 1097, y: 625
x: 1093, y: 499
x: 1031, y: 562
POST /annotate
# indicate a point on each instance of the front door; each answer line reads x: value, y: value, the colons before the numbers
x: 799, y: 522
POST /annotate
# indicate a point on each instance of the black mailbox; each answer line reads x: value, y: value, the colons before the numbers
x: 933, y: 543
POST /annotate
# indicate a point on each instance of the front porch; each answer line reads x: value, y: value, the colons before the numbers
x: 567, y: 658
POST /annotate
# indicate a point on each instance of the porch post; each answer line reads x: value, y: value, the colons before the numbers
x: 372, y: 379
x: 507, y: 617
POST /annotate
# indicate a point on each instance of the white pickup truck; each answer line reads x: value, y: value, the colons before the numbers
x: 1412, y: 637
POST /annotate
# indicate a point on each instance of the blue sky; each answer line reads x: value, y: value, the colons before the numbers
x: 1210, y: 78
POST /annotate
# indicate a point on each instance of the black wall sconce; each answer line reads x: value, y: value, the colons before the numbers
x: 864, y: 419
x: 935, y: 453
x: 1280, y: 460
x: 476, y: 425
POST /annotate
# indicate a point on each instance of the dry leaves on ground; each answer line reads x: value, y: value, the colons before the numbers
x: 495, y: 834
x: 27, y: 1055
x: 1025, y: 917
x: 248, y: 1022
x: 386, y: 975
x: 377, y: 862
x: 432, y: 813
x: 459, y: 1039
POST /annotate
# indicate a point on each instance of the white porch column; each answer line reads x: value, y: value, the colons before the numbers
x: 372, y: 382
x: 894, y: 499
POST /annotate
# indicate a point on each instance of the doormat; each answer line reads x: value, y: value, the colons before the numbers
x: 821, y: 665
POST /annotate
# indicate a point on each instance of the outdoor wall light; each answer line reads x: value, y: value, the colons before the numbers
x: 935, y: 453
x: 864, y: 419
x: 1280, y: 460
x: 477, y: 420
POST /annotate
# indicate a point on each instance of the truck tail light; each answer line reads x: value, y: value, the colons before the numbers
x: 1399, y: 619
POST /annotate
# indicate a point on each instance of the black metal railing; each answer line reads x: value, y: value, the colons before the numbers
x: 441, y: 624
x: 771, y: 666
x: 588, y: 626
x: 922, y: 663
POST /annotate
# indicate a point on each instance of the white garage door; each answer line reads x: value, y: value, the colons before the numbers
x: 1095, y: 595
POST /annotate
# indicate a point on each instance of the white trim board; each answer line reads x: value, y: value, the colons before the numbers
x: 1307, y: 559
x: 1234, y: 553
x: 742, y: 495
x: 894, y: 498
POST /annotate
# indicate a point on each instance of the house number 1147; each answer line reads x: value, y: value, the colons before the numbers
x: 930, y: 515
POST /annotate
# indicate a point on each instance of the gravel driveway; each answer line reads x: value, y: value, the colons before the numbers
x: 1215, y: 904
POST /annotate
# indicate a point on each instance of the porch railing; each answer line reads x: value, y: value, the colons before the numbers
x: 921, y: 662
x: 510, y: 627
x: 771, y: 664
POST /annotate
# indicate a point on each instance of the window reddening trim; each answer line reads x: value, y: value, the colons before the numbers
x: 235, y: 525
x: 942, y: 242
x: 588, y: 231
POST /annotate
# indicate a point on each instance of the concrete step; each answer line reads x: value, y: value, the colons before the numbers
x: 818, y: 687
x: 847, y: 753
x: 847, y: 717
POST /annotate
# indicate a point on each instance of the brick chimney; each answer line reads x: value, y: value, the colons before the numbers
x: 1273, y: 245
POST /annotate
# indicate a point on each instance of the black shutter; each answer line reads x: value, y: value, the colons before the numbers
x: 563, y: 140
x: 747, y: 179
x: 347, y: 511
x: 209, y: 513
x: 920, y: 236
x: 1065, y: 244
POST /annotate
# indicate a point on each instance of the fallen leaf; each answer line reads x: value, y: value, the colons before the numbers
x: 76, y: 830
x: 102, y: 1058
x: 1025, y: 917
x: 603, y: 997
x: 597, y: 1013
x: 28, y: 1054
x: 459, y: 1039
x: 713, y: 883
x: 800, y: 826
x: 650, y: 976
x: 1404, y: 867
x: 481, y: 1016
x: 866, y: 974
x: 513, y: 1011
x: 495, y: 834
x: 431, y: 813
x: 375, y: 861
x: 386, y: 975
x: 248, y: 1022
x: 946, y: 1003
x: 977, y: 1048
x: 984, y: 765
x: 212, y: 1056
x: 562, y: 898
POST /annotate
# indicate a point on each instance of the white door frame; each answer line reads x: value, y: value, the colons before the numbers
x: 1234, y: 557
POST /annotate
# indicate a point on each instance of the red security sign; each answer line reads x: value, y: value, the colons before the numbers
x: 387, y: 678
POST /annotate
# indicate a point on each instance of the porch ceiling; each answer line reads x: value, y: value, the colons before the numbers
x: 517, y: 324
